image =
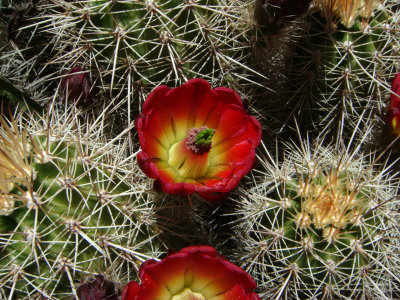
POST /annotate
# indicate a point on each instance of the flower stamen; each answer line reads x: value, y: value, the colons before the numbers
x: 198, y: 140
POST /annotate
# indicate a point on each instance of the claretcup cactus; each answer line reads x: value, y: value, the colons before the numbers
x: 69, y: 207
x: 129, y: 48
x: 138, y: 45
x: 348, y: 52
x: 331, y: 66
x: 322, y: 224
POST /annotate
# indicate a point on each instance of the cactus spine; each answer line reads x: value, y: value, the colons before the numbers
x: 350, y: 53
x: 342, y: 58
x: 323, y: 224
x: 69, y: 208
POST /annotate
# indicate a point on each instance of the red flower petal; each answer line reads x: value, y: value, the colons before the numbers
x: 205, y: 250
x: 167, y: 117
x: 130, y: 291
x: 394, y: 99
x: 155, y: 100
x: 393, y: 112
x: 228, y: 96
x: 146, y: 165
x: 153, y: 141
x: 170, y: 272
x: 236, y: 293
x: 236, y: 155
x: 149, y: 289
x: 233, y: 121
x: 196, y: 271
x: 221, y: 99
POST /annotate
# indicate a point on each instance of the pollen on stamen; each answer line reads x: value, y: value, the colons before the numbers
x: 198, y: 140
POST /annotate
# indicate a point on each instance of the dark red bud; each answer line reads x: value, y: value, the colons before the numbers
x: 76, y: 86
x: 97, y: 288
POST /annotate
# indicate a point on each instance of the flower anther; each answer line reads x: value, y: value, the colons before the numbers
x: 195, y: 139
x: 194, y: 273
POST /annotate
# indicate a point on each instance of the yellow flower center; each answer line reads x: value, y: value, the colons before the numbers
x: 188, y: 294
x: 189, y: 157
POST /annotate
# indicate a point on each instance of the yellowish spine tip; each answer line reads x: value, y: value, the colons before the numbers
x: 347, y: 11
x: 329, y: 201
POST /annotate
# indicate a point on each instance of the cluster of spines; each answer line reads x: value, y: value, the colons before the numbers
x: 149, y: 42
x: 357, y: 61
x: 339, y: 68
x: 74, y: 209
x: 321, y: 224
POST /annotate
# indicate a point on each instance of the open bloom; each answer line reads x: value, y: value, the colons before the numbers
x: 393, y: 112
x: 194, y: 273
x: 196, y: 140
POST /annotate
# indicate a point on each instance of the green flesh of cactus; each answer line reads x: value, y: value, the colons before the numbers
x: 348, y: 70
x: 163, y: 42
x: 321, y: 230
x: 76, y: 215
x: 314, y: 253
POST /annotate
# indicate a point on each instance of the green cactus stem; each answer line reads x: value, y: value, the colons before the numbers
x: 69, y: 208
x: 323, y: 224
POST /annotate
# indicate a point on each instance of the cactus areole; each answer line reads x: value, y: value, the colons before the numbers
x: 194, y: 273
x: 196, y: 140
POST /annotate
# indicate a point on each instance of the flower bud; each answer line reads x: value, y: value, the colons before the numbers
x: 97, y: 288
x: 76, y: 86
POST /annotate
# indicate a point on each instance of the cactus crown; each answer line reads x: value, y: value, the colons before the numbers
x: 329, y: 198
x: 320, y: 224
x: 347, y: 11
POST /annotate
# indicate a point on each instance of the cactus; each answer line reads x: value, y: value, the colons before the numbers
x: 130, y: 47
x: 348, y: 53
x: 69, y: 208
x: 338, y: 65
x: 163, y: 42
x: 323, y: 224
x: 138, y: 45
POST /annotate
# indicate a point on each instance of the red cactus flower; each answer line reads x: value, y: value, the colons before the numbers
x: 76, y: 86
x: 196, y: 140
x: 393, y: 112
x: 194, y: 273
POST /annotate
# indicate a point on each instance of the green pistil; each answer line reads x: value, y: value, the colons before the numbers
x: 203, y: 138
x: 198, y: 140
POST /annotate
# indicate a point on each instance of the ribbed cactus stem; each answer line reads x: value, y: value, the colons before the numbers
x: 70, y: 209
x: 322, y: 223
